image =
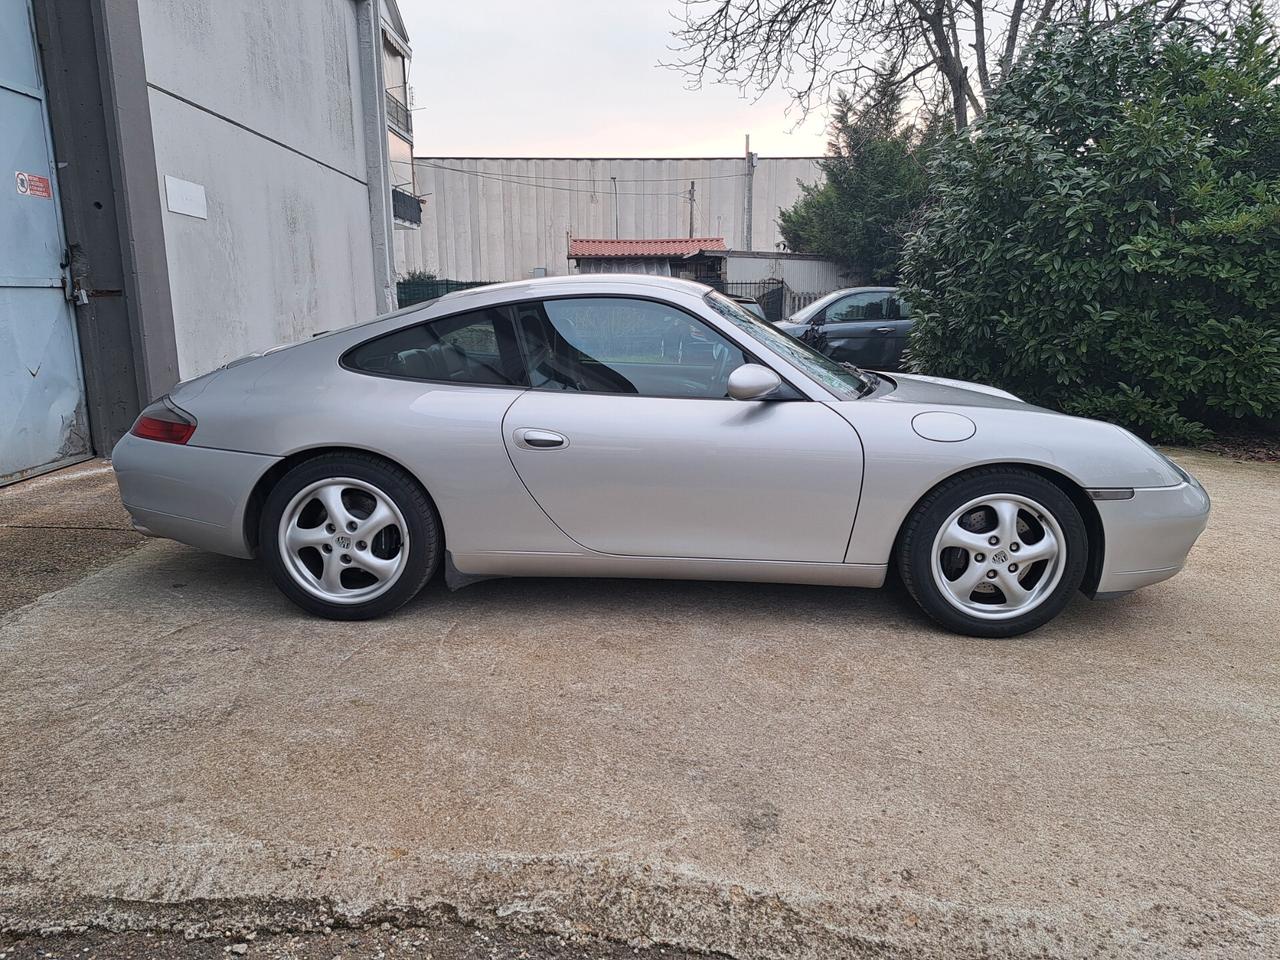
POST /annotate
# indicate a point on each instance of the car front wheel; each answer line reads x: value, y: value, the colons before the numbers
x: 994, y: 553
x: 349, y: 536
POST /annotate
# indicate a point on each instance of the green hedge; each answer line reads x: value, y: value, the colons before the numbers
x: 1107, y: 239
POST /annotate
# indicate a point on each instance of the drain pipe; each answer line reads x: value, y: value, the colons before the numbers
x: 374, y: 102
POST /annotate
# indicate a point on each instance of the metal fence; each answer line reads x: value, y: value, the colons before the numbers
x: 795, y: 299
x: 416, y: 291
x: 777, y: 299
x: 770, y: 294
x: 398, y: 114
x: 405, y: 206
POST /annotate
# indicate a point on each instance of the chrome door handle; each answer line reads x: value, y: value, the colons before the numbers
x: 883, y: 330
x: 532, y: 438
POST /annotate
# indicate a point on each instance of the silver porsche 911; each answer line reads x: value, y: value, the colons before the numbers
x: 618, y: 426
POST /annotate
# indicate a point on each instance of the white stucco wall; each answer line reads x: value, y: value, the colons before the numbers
x: 500, y: 218
x: 408, y: 250
x: 260, y: 105
x: 802, y: 275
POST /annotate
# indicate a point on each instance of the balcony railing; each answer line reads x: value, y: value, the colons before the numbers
x: 398, y: 114
x: 406, y: 207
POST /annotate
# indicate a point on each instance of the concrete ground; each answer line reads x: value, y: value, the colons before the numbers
x: 760, y: 771
x: 64, y: 524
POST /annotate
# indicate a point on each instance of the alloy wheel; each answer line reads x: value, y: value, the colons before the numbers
x: 999, y: 556
x: 343, y: 540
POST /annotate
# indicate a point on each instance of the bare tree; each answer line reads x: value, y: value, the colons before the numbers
x: 952, y: 52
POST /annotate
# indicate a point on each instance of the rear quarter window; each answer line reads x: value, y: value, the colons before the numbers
x: 477, y: 347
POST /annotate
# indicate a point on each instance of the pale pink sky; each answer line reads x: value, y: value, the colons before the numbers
x: 576, y: 78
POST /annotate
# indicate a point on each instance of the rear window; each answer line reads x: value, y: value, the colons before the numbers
x: 477, y: 347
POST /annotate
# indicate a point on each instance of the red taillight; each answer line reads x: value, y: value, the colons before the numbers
x: 166, y: 431
x: 166, y: 422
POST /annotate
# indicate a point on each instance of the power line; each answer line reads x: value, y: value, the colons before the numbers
x: 534, y: 176
x: 537, y: 185
x: 534, y: 184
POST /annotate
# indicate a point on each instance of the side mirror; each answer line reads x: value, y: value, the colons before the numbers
x: 753, y: 382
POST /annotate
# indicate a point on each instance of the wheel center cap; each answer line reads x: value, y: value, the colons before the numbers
x: 999, y: 557
x: 343, y: 543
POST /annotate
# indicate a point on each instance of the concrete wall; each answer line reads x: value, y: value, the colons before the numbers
x: 804, y: 275
x: 407, y: 251
x: 498, y: 219
x: 260, y: 104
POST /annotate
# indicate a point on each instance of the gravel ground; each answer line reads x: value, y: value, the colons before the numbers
x: 444, y: 940
x: 759, y: 771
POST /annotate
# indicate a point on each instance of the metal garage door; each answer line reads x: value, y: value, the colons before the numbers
x: 42, y: 418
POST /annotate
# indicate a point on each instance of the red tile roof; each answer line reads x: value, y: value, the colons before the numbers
x: 667, y: 247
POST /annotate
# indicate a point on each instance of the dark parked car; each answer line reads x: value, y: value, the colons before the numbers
x: 865, y: 326
x: 752, y: 306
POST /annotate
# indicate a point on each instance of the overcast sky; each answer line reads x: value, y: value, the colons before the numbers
x: 576, y: 78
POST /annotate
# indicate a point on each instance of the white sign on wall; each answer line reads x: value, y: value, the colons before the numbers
x: 186, y: 198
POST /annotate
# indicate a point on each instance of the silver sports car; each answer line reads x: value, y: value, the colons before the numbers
x: 618, y: 426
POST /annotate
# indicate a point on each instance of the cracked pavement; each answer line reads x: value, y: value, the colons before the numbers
x: 759, y: 771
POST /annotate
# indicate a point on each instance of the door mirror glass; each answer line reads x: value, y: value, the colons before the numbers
x: 753, y: 382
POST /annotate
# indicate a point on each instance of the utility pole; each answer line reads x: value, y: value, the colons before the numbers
x: 615, y: 207
x: 691, y: 188
x: 750, y: 181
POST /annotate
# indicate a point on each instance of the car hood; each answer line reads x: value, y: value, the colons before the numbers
x: 915, y: 388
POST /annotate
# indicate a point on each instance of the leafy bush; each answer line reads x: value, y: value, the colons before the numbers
x: 875, y: 181
x: 1107, y: 239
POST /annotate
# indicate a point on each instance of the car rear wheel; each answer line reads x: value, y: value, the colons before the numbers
x: 994, y: 553
x: 349, y: 536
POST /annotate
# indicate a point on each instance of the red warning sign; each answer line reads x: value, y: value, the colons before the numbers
x: 33, y: 185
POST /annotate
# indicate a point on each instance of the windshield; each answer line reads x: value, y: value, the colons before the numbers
x: 844, y: 380
x: 804, y: 313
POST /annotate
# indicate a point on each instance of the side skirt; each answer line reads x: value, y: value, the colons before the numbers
x: 464, y: 569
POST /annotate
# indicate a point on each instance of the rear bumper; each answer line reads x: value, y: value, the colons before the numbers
x: 1147, y: 538
x: 192, y: 494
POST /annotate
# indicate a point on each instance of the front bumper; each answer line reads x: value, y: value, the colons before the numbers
x: 1147, y: 538
x: 192, y: 494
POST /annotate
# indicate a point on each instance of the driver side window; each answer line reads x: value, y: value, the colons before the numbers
x: 871, y: 305
x: 621, y: 345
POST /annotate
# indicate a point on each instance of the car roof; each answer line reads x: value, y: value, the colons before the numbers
x: 497, y: 293
x: 532, y: 286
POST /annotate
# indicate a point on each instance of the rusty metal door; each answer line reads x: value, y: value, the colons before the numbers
x: 42, y: 409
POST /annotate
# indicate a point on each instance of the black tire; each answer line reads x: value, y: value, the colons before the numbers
x: 422, y: 524
x: 915, y: 545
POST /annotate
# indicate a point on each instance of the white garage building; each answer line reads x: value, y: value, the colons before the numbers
x: 183, y: 182
x: 506, y: 218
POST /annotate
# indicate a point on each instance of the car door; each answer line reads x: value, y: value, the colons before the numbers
x: 888, y: 325
x: 628, y: 441
x: 861, y: 328
x: 899, y: 320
